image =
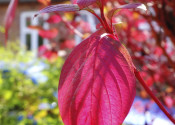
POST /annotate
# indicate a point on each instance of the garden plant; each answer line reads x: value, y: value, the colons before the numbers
x: 98, y: 80
x: 24, y: 98
x: 99, y: 76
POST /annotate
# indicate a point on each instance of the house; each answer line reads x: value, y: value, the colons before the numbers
x: 25, y: 12
x: 23, y: 6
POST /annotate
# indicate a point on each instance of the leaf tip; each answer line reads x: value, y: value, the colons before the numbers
x: 35, y: 15
x: 143, y: 7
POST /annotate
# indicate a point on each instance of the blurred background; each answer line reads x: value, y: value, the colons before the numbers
x: 33, y: 50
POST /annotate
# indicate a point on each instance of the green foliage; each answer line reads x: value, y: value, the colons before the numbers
x: 20, y: 98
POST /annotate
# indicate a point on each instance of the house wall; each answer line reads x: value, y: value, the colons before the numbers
x: 14, y: 30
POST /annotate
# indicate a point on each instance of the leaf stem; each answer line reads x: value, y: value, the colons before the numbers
x: 137, y: 74
x: 101, y: 21
x: 106, y: 25
x: 72, y: 28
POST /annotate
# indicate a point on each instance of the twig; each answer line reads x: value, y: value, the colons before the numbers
x: 137, y: 74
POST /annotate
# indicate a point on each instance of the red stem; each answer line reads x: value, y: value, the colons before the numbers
x: 137, y: 74
x: 72, y: 28
x: 106, y: 25
x: 101, y: 21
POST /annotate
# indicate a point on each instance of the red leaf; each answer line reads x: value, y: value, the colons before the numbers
x: 85, y: 26
x: 158, y: 51
x: 9, y: 17
x: 74, y: 1
x: 59, y: 7
x: 52, y: 33
x: 168, y: 101
x: 130, y: 6
x: 85, y: 3
x: 126, y: 6
x: 78, y: 4
x: 54, y: 19
x: 139, y: 36
x: 46, y: 53
x: 68, y: 44
x: 97, y: 84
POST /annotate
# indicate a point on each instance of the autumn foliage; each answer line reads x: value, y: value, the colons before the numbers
x: 98, y: 80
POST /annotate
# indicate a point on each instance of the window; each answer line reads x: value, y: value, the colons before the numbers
x: 29, y: 38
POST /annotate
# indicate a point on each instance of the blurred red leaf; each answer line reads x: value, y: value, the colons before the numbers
x: 85, y: 26
x: 97, y: 84
x: 138, y: 36
x: 148, y: 79
x: 158, y: 51
x: 54, y: 19
x: 9, y: 16
x: 74, y: 1
x: 69, y: 44
x: 168, y: 101
x: 44, y: 52
x: 49, y: 34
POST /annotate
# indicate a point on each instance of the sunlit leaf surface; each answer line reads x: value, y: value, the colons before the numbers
x: 97, y: 85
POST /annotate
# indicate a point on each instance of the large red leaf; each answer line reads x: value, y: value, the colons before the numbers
x: 97, y: 83
x: 9, y: 17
